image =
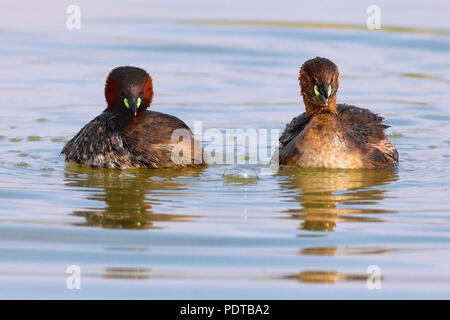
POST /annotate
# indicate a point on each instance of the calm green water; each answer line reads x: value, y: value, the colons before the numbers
x: 193, y: 233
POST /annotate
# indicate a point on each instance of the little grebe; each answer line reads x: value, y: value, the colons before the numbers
x: 125, y: 135
x: 331, y: 135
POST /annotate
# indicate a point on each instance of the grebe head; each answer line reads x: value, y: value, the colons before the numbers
x: 128, y: 91
x: 319, y: 84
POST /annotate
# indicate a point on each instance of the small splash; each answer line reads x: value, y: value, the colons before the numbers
x: 241, y: 172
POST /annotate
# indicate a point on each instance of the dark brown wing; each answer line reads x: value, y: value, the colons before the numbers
x: 365, y: 129
x: 368, y: 124
x: 369, y: 131
x: 156, y: 135
x: 293, y: 129
x: 155, y: 128
x: 98, y: 144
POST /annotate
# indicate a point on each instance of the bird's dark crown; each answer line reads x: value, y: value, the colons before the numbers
x: 319, y: 84
x: 128, y: 91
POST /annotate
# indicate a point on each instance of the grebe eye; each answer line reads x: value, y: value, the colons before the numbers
x: 316, y: 90
x: 329, y: 90
x: 125, y: 102
x: 138, y: 102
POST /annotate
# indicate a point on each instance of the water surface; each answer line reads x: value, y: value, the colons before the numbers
x: 194, y: 233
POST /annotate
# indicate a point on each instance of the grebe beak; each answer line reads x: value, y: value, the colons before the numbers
x: 324, y: 93
x: 133, y: 107
x: 324, y: 100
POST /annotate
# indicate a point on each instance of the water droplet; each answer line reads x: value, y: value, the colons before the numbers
x: 241, y: 172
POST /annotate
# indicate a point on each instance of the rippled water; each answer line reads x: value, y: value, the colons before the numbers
x: 197, y: 233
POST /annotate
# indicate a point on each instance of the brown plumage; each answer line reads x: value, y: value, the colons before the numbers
x: 331, y: 135
x: 126, y: 135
